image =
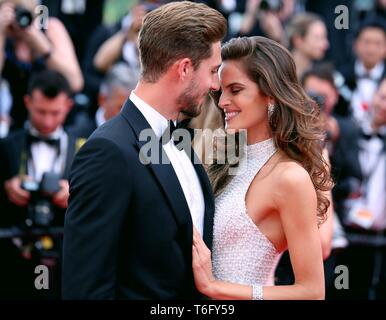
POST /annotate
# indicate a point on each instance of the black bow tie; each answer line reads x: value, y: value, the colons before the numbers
x: 168, y: 134
x: 50, y: 141
x: 367, y: 136
x: 365, y: 77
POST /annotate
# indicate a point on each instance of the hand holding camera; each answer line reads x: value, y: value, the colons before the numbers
x: 40, y: 198
x: 15, y: 193
x: 133, y: 22
x: 17, y: 22
x: 60, y: 199
x: 7, y: 16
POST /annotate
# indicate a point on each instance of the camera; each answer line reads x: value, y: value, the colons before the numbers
x: 40, y: 209
x: 23, y: 17
x: 318, y: 99
x: 271, y: 5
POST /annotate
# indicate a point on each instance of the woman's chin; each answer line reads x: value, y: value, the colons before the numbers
x: 231, y: 127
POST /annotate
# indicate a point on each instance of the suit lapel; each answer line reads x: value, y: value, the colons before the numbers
x: 208, y: 198
x: 163, y: 172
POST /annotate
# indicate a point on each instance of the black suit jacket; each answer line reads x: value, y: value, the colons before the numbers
x: 11, y: 149
x: 348, y: 72
x: 345, y: 159
x: 128, y: 229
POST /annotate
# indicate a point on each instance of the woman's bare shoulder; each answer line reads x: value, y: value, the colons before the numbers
x: 290, y: 176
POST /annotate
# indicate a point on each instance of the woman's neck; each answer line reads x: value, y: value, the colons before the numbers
x: 258, y: 134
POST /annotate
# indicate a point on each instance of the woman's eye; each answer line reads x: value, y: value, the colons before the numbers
x: 235, y: 91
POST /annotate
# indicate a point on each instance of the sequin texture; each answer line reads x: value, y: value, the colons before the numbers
x: 241, y: 253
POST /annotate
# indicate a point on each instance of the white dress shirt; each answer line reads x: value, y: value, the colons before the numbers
x: 100, y: 117
x: 366, y: 87
x: 45, y: 157
x: 181, y: 163
x: 372, y: 159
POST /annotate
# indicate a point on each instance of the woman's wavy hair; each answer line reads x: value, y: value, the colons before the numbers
x: 296, y: 123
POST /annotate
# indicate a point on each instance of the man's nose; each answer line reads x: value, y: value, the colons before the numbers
x: 215, y: 84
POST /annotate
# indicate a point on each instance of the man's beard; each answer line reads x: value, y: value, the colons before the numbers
x: 190, y: 102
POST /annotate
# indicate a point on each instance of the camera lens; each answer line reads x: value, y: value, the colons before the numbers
x: 23, y: 17
x: 43, y: 213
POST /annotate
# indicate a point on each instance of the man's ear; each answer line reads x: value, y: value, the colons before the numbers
x: 184, y: 68
x: 27, y: 101
x: 69, y: 104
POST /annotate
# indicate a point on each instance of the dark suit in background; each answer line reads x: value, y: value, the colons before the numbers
x: 17, y: 272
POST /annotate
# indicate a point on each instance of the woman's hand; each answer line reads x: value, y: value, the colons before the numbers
x: 202, y: 265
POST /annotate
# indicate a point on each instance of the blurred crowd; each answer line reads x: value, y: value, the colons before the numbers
x: 65, y: 74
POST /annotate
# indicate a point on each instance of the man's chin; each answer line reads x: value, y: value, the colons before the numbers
x: 192, y: 112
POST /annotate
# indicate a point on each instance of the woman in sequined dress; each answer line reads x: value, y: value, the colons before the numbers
x: 277, y: 202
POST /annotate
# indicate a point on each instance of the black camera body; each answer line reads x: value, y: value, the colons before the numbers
x: 271, y: 5
x: 41, y: 211
x: 23, y: 17
x: 318, y: 99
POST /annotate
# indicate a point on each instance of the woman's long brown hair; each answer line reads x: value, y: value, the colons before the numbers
x: 296, y: 124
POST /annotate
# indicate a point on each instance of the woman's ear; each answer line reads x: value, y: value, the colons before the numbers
x: 297, y: 41
x: 271, y: 101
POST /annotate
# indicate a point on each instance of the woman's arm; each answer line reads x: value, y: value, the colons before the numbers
x: 57, y: 43
x: 109, y: 52
x: 63, y: 56
x: 326, y: 229
x: 7, y: 15
x: 2, y: 49
x: 296, y: 201
x: 111, y: 49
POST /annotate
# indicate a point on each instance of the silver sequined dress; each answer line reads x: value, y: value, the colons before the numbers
x: 241, y: 253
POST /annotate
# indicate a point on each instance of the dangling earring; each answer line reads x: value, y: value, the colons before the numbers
x: 271, y: 109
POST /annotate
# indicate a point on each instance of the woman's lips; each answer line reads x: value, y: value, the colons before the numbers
x: 230, y: 115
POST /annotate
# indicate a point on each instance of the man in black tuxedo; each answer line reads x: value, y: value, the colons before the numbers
x: 26, y: 155
x: 363, y: 75
x: 129, y: 226
x: 360, y: 161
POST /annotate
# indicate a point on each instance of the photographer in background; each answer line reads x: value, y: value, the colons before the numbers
x: 34, y: 166
x: 25, y: 49
x: 267, y: 18
x: 109, y: 45
x: 120, y: 80
x: 360, y: 201
x: 122, y: 46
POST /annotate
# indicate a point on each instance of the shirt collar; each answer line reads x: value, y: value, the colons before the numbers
x: 100, y: 117
x: 156, y: 120
x: 369, y: 130
x: 375, y: 73
x: 57, y: 134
